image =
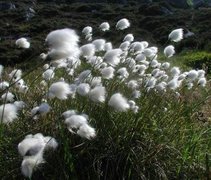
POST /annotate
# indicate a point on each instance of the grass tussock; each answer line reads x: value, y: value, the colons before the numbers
x: 153, y: 130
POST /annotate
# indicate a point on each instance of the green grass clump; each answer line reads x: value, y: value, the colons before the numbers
x: 198, y: 60
x: 163, y: 140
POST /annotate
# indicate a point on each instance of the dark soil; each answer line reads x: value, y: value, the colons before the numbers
x: 151, y: 22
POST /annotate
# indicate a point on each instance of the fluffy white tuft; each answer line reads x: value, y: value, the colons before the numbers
x: 8, y: 97
x: 86, y: 131
x: 69, y: 113
x: 4, y: 85
x: 113, y: 56
x: 202, y: 82
x: 75, y: 121
x: 97, y: 94
x: 104, y: 26
x: 30, y: 164
x: 87, y: 50
x: 63, y: 43
x: 176, y: 35
x: 22, y: 43
x: 122, y: 24
x: 1, y: 70
x: 8, y: 113
x: 107, y: 72
x: 83, y: 89
x: 48, y: 74
x: 129, y: 38
x: 108, y: 46
x: 169, y: 51
x: 99, y: 44
x: 15, y: 74
x: 60, y: 90
x: 87, y: 30
x: 118, y: 102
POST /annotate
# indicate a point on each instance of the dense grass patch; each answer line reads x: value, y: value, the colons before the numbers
x: 143, y: 121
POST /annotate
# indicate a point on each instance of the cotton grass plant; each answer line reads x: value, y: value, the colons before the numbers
x: 104, y: 111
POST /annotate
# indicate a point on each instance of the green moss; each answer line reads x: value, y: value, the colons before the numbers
x: 198, y: 60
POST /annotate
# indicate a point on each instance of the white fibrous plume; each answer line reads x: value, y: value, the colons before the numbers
x: 99, y: 44
x: 69, y: 113
x: 87, y: 50
x: 202, y: 82
x: 83, y: 76
x: 8, y: 113
x: 30, y: 164
x: 124, y: 46
x: 96, y: 81
x: 130, y: 62
x: 20, y: 105
x: 32, y: 149
x: 113, y: 56
x: 75, y: 121
x: 176, y: 35
x: 136, y: 94
x: 122, y: 24
x: 140, y: 57
x: 22, y: 43
x: 175, y: 71
x: 15, y: 74
x: 118, y: 102
x: 155, y: 72
x: 4, y: 85
x: 104, y: 26
x: 201, y: 73
x: 107, y: 72
x: 108, y: 46
x: 154, y: 63
x: 86, y: 131
x: 88, y: 37
x: 23, y: 88
x: 48, y: 74
x: 60, y: 90
x: 129, y: 38
x: 43, y: 56
x: 44, y: 108
x: 78, y: 124
x: 123, y: 73
x: 192, y: 75
x: 148, y: 52
x: 165, y: 65
x: 153, y: 48
x: 145, y: 44
x: 73, y: 62
x: 169, y: 51
x: 1, y: 70
x: 83, y: 89
x: 150, y: 83
x: 136, y: 47
x: 46, y: 66
x: 173, y: 84
x: 132, y: 84
x: 87, y: 30
x: 8, y: 97
x: 19, y: 83
x: 63, y: 43
x: 97, y: 94
x: 161, y: 86
x: 182, y: 76
x: 30, y: 146
x: 95, y: 61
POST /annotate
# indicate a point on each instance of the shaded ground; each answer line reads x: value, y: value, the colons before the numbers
x: 151, y: 22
